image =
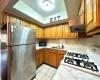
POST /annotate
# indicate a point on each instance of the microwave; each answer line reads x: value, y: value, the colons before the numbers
x: 42, y: 43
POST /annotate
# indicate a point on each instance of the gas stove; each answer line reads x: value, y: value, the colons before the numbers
x: 80, y: 60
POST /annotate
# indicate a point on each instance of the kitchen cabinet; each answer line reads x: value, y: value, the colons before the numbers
x: 31, y: 25
x: 40, y: 32
x: 73, y: 35
x: 18, y: 21
x: 60, y: 56
x: 53, y: 32
x: 50, y: 57
x: 13, y: 19
x: 53, y: 57
x: 47, y: 33
x: 92, y: 16
x: 39, y: 57
x: 36, y: 28
x: 59, y: 32
x: 66, y: 31
x: 24, y: 23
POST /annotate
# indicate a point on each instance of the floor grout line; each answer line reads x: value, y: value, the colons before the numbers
x: 45, y: 74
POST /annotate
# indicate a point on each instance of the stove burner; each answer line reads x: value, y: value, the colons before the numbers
x: 91, y: 65
x: 78, y: 55
x: 81, y: 63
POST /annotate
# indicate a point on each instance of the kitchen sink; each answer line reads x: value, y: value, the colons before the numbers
x: 56, y: 47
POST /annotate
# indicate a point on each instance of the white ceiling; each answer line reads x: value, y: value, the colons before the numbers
x: 71, y: 6
x: 59, y: 6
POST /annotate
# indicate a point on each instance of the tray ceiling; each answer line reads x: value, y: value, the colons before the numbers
x: 59, y: 6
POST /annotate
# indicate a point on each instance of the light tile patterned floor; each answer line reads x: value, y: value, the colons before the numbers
x: 45, y: 72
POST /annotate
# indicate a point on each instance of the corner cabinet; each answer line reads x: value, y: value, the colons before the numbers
x: 92, y: 16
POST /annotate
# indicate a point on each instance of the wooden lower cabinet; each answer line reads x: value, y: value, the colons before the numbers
x: 51, y: 59
x: 49, y: 56
x: 39, y: 57
x: 60, y: 56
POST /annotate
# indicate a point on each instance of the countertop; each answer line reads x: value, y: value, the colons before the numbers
x: 65, y: 48
x: 68, y: 73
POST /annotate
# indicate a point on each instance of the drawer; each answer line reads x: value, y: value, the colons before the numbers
x: 61, y: 52
x: 52, y: 50
x: 40, y: 50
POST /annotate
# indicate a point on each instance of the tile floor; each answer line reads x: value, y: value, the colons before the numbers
x: 45, y: 72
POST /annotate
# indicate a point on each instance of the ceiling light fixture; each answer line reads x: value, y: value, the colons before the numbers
x: 47, y: 5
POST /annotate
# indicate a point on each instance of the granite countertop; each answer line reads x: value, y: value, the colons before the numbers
x: 77, y: 50
x: 68, y: 73
x: 37, y: 48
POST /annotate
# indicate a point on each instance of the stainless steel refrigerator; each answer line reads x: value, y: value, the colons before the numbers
x: 18, y: 47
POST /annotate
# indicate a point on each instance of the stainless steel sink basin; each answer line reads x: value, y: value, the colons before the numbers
x: 56, y: 47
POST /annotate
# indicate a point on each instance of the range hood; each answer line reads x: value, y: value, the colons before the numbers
x: 77, y: 24
x: 77, y: 28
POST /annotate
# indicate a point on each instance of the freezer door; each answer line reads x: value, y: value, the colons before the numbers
x: 21, y: 35
x: 23, y: 62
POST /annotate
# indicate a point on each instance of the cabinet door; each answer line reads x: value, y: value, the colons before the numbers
x: 12, y: 19
x: 59, y: 58
x: 52, y: 58
x: 66, y: 31
x: 53, y: 32
x: 36, y: 28
x: 31, y: 25
x: 40, y: 32
x: 24, y: 23
x: 41, y: 57
x: 37, y: 60
x: 45, y: 56
x: 18, y: 21
x: 46, y: 32
x: 59, y: 31
x: 73, y: 35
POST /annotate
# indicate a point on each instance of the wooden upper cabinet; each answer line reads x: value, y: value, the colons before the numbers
x: 24, y: 23
x: 53, y: 32
x: 40, y: 32
x: 13, y: 19
x: 47, y: 32
x: 73, y: 35
x: 36, y: 28
x: 92, y: 15
x: 18, y: 21
x: 66, y: 31
x: 31, y: 25
x: 59, y: 31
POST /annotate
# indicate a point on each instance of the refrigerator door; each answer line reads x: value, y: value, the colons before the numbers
x: 20, y: 35
x: 23, y: 62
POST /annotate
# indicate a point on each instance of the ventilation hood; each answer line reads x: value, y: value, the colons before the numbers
x: 77, y: 28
